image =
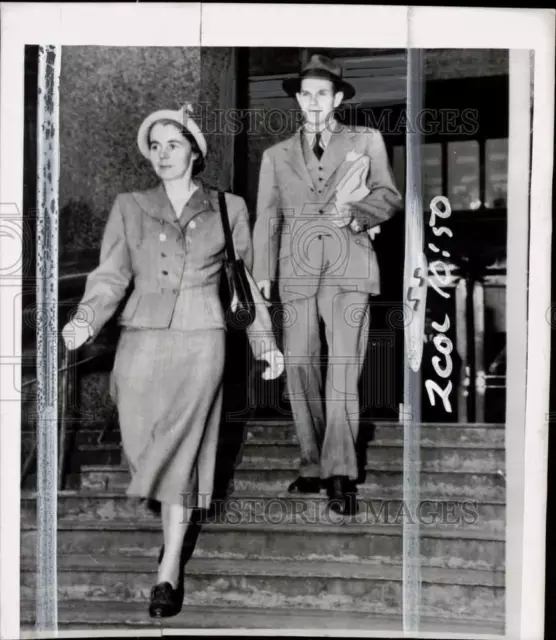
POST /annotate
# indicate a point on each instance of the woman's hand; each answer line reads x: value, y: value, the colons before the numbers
x: 76, y: 334
x: 275, y: 360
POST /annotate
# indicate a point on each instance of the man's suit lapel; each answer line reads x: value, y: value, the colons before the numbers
x: 294, y: 157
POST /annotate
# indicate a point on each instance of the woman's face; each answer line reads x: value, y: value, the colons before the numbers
x: 170, y: 153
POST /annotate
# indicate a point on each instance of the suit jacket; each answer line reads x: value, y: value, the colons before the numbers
x: 294, y: 239
x: 175, y: 265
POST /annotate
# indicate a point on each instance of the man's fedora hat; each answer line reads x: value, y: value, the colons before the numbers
x: 320, y: 67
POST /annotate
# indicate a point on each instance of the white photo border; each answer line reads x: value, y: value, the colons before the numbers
x: 209, y: 25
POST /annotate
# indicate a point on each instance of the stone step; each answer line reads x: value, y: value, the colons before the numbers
x: 260, y: 509
x: 380, y: 457
x: 465, y: 435
x: 456, y: 548
x: 85, y: 435
x: 324, y: 585
x: 386, y: 458
x: 100, y: 454
x: 275, y: 479
x: 473, y: 435
x: 76, y: 614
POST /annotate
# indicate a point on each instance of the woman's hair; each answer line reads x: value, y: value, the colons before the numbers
x: 199, y: 162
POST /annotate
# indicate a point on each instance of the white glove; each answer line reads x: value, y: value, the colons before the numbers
x: 373, y: 232
x: 76, y: 334
x: 275, y: 360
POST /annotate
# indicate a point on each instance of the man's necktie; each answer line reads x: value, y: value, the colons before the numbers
x: 317, y: 148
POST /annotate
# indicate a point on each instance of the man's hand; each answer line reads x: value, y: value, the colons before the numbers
x: 356, y: 226
x: 264, y: 287
x: 76, y: 334
x: 342, y: 217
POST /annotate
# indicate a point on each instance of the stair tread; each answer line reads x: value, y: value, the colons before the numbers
x: 346, y: 528
x: 264, y: 463
x: 289, y: 424
x: 280, y: 464
x: 255, y: 422
x: 132, y: 614
x: 244, y: 495
x: 219, y: 567
x: 374, y: 445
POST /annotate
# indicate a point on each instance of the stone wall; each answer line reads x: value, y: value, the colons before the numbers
x: 105, y: 92
x: 216, y: 95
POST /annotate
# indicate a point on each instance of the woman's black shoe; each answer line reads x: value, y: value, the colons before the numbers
x: 342, y: 495
x: 305, y: 485
x: 165, y: 601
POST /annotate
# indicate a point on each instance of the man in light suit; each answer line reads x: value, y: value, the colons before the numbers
x: 320, y: 192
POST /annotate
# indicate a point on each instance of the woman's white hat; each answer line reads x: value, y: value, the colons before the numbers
x: 181, y: 117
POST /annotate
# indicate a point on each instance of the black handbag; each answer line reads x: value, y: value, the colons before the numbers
x: 244, y: 314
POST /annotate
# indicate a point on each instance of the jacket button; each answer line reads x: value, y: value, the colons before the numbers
x: 163, y: 255
x: 164, y: 273
x: 320, y: 168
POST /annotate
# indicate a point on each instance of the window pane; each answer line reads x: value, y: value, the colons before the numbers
x: 496, y: 173
x: 463, y: 174
x: 432, y: 172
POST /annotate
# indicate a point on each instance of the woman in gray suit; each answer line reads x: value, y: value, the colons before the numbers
x: 168, y: 370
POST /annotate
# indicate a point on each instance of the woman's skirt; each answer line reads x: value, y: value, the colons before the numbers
x: 167, y: 385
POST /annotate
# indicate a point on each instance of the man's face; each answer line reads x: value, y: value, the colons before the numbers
x: 318, y: 99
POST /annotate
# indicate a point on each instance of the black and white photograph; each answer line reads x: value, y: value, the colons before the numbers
x: 274, y: 337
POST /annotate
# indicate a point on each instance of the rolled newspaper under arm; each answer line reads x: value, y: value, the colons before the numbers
x: 354, y: 178
x: 354, y: 185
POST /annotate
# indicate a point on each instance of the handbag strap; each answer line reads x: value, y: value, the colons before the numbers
x: 226, y: 225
